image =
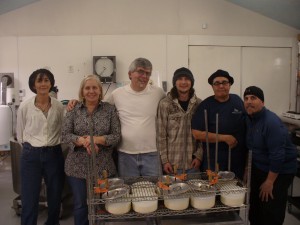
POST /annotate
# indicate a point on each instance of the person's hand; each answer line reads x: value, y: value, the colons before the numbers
x: 88, y: 144
x: 80, y: 141
x: 266, y: 191
x: 168, y: 168
x: 230, y: 140
x: 89, y: 149
x: 85, y: 141
x: 71, y: 105
x: 195, y: 163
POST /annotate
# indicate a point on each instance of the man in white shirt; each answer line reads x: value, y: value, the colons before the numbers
x: 137, y: 105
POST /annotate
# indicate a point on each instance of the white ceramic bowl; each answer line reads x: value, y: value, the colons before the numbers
x: 144, y: 207
x: 175, y: 198
x: 203, y: 200
x: 234, y: 197
x: 117, y: 201
x: 118, y: 208
x: 144, y: 197
x: 144, y: 204
x: 204, y: 195
x: 179, y: 203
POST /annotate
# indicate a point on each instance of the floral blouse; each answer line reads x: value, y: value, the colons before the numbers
x: 103, y: 122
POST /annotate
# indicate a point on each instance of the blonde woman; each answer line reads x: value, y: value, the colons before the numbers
x: 90, y: 113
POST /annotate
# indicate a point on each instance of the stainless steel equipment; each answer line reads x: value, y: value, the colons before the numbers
x: 5, y: 81
x: 224, y: 175
x: 143, y: 190
x: 206, y: 136
x: 217, y: 143
x: 98, y: 212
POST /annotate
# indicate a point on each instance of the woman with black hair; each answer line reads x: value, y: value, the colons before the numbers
x: 39, y: 124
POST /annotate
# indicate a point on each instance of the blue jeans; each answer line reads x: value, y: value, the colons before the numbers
x: 146, y: 164
x: 37, y: 163
x: 80, y: 210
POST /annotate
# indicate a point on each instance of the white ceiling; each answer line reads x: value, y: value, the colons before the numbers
x: 283, y: 11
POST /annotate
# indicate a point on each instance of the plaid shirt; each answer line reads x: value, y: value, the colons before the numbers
x: 175, y: 141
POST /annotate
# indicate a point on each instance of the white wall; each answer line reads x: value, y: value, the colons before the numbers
x: 59, y: 53
x: 61, y: 33
x: 56, y: 53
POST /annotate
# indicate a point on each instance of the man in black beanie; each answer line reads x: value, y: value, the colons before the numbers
x: 183, y: 72
x: 256, y: 91
x: 274, y: 161
x: 174, y: 138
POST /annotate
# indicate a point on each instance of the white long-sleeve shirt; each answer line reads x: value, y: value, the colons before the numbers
x: 33, y: 127
x: 137, y: 113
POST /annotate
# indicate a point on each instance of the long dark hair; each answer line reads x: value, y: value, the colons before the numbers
x: 174, y: 92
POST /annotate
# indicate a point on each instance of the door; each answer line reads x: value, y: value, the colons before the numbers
x: 269, y: 69
x: 205, y: 60
x: 266, y: 67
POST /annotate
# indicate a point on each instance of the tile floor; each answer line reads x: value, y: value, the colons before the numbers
x: 8, y: 215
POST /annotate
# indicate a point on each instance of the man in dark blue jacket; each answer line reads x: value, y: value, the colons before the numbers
x: 225, y: 125
x: 274, y: 161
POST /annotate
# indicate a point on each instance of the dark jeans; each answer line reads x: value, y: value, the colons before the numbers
x: 273, y: 211
x: 38, y: 163
x: 80, y: 209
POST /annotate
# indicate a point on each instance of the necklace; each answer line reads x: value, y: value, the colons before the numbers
x: 43, y: 107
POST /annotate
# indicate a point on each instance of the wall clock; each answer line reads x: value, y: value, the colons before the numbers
x: 105, y: 68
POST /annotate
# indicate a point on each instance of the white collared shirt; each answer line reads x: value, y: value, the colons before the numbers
x: 37, y: 129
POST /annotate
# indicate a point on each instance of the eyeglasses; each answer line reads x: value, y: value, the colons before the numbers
x: 143, y: 72
x: 224, y: 83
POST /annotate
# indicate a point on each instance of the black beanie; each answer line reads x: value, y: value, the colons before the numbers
x: 256, y: 91
x: 220, y: 73
x: 183, y: 72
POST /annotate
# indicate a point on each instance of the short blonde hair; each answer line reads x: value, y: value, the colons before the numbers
x: 83, y: 82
